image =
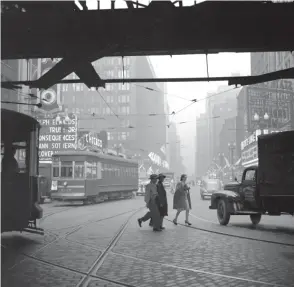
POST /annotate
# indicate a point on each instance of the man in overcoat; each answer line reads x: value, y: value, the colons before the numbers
x: 162, y: 198
x: 152, y: 203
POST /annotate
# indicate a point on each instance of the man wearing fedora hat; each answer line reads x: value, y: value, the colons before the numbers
x: 152, y: 202
x: 162, y: 198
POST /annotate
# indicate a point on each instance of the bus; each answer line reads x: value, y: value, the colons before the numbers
x: 92, y: 177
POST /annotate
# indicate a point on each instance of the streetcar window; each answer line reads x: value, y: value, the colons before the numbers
x: 99, y: 170
x: 94, y: 170
x: 79, y: 169
x: 66, y: 169
x: 89, y: 166
x: 56, y: 170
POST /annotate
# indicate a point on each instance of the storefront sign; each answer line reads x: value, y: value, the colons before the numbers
x: 56, y: 135
x: 89, y: 141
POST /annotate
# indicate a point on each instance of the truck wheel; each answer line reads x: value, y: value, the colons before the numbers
x: 222, y: 212
x: 255, y: 218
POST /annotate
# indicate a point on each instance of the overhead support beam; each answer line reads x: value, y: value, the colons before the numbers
x: 82, y: 67
x: 249, y: 80
x: 208, y: 27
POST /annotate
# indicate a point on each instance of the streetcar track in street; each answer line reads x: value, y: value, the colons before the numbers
x: 64, y: 236
x: 91, y: 274
x: 100, y: 260
x: 234, y: 235
x: 200, y: 271
x: 87, y: 276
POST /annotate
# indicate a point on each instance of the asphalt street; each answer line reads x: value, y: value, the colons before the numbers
x: 102, y: 245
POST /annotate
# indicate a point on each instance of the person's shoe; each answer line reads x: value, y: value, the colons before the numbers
x: 156, y: 229
x: 187, y: 222
x: 175, y: 223
x: 162, y: 227
x: 150, y: 223
x: 140, y: 222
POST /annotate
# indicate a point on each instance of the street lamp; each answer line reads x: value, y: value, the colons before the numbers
x: 257, y: 118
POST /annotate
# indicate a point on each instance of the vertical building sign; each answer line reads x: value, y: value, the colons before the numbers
x: 56, y: 135
x: 50, y: 98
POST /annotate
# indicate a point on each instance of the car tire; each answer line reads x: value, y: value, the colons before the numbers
x: 255, y: 218
x: 223, y: 214
x: 202, y: 197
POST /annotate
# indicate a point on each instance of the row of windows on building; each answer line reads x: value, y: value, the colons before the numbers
x: 113, y: 61
x: 79, y: 87
x: 118, y: 136
x: 92, y: 170
x: 125, y: 110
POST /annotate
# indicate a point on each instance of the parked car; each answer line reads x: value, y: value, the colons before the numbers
x: 209, y: 187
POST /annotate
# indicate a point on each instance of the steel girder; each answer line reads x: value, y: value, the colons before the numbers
x: 159, y: 29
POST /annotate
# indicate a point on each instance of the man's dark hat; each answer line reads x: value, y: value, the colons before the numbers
x: 153, y: 176
x: 161, y: 175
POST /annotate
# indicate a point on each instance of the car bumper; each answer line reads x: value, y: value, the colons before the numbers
x: 208, y: 193
x: 140, y: 193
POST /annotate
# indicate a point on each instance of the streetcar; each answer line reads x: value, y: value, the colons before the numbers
x: 19, y: 173
x: 92, y: 177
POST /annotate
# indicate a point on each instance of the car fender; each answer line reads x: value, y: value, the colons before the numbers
x: 228, y: 195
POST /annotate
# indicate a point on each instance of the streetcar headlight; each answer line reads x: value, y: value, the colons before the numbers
x: 65, y: 183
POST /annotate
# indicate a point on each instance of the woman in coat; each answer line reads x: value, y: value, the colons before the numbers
x: 182, y: 200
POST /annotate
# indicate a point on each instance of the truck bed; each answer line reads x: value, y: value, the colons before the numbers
x: 276, y: 164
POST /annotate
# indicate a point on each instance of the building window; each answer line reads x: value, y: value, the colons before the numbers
x: 124, y: 136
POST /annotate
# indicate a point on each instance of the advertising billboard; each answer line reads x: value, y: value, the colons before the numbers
x: 56, y: 134
x: 88, y: 140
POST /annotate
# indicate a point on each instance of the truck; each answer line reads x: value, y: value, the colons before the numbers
x: 264, y: 189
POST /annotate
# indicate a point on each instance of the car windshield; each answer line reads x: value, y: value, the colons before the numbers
x: 212, y: 185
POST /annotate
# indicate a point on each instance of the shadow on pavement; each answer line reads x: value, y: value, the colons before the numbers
x: 265, y: 228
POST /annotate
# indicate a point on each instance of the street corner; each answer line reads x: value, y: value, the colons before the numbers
x: 31, y: 273
x: 123, y: 269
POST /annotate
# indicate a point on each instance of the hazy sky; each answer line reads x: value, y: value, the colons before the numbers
x: 189, y: 66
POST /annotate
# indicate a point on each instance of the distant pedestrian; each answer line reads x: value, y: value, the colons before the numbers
x: 182, y: 200
x: 162, y: 198
x: 152, y: 202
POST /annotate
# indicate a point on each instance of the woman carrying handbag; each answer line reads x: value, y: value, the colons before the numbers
x: 182, y: 199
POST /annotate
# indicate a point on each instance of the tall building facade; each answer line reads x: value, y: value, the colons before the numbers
x: 222, y: 104
x: 133, y: 115
x: 175, y: 159
x: 265, y: 107
x: 202, y: 150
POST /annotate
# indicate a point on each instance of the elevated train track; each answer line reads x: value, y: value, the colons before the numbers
x: 161, y: 28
